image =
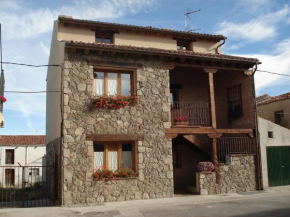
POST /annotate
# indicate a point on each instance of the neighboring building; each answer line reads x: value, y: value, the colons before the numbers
x: 194, y: 104
x: 275, y: 109
x: 275, y: 153
x: 21, y: 159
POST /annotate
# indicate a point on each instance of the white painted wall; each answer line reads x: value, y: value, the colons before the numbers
x: 281, y: 137
x: 25, y: 156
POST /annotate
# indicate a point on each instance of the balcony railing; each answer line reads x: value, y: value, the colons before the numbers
x: 234, y: 145
x: 190, y: 114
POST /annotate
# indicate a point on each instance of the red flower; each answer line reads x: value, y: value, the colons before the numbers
x: 2, y: 99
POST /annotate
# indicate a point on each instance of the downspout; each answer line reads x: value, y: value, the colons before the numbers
x: 257, y: 135
x: 217, y: 48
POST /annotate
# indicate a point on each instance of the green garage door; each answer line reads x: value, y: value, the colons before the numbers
x: 278, y: 159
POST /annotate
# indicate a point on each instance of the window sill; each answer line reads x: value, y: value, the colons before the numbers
x: 116, y: 179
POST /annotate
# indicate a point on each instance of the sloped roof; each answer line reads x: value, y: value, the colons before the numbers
x: 274, y: 99
x: 22, y: 140
x: 69, y: 19
x: 181, y: 53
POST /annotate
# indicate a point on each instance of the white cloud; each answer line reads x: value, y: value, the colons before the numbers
x: 24, y: 22
x: 259, y: 29
x: 46, y: 49
x: 277, y: 61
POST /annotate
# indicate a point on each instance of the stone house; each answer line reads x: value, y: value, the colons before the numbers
x: 194, y: 104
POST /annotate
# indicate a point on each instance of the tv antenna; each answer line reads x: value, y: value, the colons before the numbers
x: 185, y: 19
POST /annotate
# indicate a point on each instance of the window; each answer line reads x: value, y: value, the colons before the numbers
x: 9, y: 156
x: 33, y: 172
x: 183, y: 45
x: 9, y: 177
x: 115, y: 156
x: 279, y: 117
x: 104, y: 37
x: 270, y: 134
x: 113, y: 82
x: 235, y: 105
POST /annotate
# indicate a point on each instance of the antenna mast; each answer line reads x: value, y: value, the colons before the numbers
x: 185, y: 18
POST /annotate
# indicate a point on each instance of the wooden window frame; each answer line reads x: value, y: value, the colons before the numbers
x: 119, y: 73
x: 119, y: 144
x: 104, y: 36
x: 13, y: 160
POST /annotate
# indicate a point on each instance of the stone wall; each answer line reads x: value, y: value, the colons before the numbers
x: 236, y: 177
x: 149, y: 118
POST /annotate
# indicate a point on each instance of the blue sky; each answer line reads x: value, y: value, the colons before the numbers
x: 254, y: 28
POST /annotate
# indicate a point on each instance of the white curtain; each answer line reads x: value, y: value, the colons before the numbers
x: 99, y: 159
x: 127, y: 159
x: 99, y: 86
x: 112, y: 87
x: 113, y: 160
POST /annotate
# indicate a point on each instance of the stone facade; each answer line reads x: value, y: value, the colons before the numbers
x: 149, y: 118
x: 236, y: 177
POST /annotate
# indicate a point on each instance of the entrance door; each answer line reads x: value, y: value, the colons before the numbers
x: 9, y: 177
x: 278, y: 159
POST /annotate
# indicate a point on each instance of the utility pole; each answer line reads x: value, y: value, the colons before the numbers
x: 185, y: 18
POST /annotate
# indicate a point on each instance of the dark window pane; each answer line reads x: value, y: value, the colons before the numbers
x: 108, y: 40
x: 126, y: 147
x: 98, y: 39
x: 99, y: 148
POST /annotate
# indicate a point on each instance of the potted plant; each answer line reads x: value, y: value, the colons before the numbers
x: 205, y: 167
x: 2, y: 99
x: 113, y: 102
x: 104, y: 174
x: 181, y: 120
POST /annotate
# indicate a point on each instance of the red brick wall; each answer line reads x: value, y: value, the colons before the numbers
x: 194, y: 84
x: 224, y: 79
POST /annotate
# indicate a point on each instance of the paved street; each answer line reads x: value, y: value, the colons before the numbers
x: 273, y: 202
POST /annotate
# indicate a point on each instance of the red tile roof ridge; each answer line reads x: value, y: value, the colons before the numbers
x: 281, y: 97
x: 22, y: 139
x: 188, y: 53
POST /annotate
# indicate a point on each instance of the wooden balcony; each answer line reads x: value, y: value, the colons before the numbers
x: 190, y: 114
x: 234, y: 145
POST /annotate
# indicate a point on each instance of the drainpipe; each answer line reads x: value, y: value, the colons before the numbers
x: 257, y: 135
x: 217, y: 48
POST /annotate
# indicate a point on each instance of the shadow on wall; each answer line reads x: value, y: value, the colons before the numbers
x: 269, y: 213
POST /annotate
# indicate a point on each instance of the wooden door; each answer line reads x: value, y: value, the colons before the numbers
x: 9, y: 177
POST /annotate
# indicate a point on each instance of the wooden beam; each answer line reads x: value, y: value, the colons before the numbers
x: 100, y: 52
x: 114, y: 64
x: 114, y: 137
x: 169, y: 66
x: 87, y: 51
x: 171, y: 135
x: 73, y: 50
x: 194, y: 140
x: 113, y: 54
x: 205, y: 130
x: 214, y: 158
x: 214, y: 135
x: 210, y: 70
x: 212, y: 100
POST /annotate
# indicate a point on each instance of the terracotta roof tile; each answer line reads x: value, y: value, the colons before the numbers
x: 275, y: 99
x: 147, y: 28
x: 181, y: 53
x: 22, y: 140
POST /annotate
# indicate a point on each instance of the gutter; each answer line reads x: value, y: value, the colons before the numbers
x: 257, y: 136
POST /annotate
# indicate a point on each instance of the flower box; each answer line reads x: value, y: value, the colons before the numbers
x: 181, y: 120
x: 104, y: 174
x: 205, y: 167
x: 113, y: 102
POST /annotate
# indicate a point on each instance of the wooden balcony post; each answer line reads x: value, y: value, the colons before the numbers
x: 210, y: 72
x: 214, y: 158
